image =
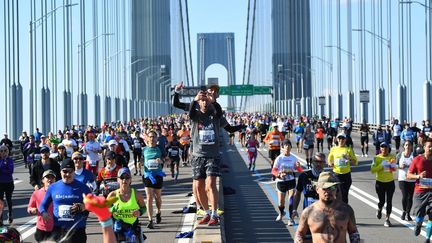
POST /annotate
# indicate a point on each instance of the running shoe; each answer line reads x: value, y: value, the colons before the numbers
x: 213, y: 221
x: 201, y: 212
x: 291, y: 222
x: 408, y: 218
x: 280, y: 216
x: 205, y: 220
x: 158, y: 218
x: 417, y: 228
x: 220, y: 212
x: 378, y: 214
x: 150, y: 225
x: 387, y: 223
x: 403, y: 215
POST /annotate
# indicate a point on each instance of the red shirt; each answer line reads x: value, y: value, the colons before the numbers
x: 107, y: 174
x: 417, y: 166
x: 35, y: 201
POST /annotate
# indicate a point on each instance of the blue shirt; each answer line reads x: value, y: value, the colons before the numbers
x: 63, y: 196
x: 85, y: 177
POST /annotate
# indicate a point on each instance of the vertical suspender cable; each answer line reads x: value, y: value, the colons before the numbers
x: 183, y: 41
x: 246, y: 47
x: 189, y: 42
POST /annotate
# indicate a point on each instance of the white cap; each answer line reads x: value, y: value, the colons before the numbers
x: 341, y: 134
x: 112, y: 142
x: 274, y: 124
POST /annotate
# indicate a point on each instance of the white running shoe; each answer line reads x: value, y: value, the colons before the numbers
x: 291, y: 222
x: 280, y: 216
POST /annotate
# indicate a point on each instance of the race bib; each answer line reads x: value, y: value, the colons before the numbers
x: 252, y: 149
x: 93, y: 162
x: 174, y: 152
x: 207, y: 137
x: 341, y: 163
x: 381, y: 139
x: 425, y: 183
x: 137, y: 145
x: 306, y: 146
x: 152, y: 164
x: 64, y: 213
x: 387, y: 166
x: 274, y: 142
x: 184, y: 139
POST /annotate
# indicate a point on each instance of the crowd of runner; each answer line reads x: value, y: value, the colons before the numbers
x: 77, y: 161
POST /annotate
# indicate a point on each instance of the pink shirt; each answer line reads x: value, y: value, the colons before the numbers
x: 35, y: 201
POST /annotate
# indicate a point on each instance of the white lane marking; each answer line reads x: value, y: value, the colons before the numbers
x: 17, y: 181
x: 29, y: 232
x: 188, y: 223
x: 356, y: 191
x: 26, y: 225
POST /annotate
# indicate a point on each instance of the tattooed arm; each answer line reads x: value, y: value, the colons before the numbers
x: 303, y: 227
x: 353, y: 233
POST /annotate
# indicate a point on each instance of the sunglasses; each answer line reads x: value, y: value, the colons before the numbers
x: 332, y: 188
x: 3, y: 151
x: 78, y: 158
x: 67, y: 171
x: 125, y: 177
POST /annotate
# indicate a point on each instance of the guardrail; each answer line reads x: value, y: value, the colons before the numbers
x: 16, y: 153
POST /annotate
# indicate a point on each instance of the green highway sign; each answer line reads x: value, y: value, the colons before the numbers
x: 241, y: 90
x: 262, y: 90
x: 233, y: 90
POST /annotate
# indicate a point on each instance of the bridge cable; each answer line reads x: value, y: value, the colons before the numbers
x: 189, y: 42
x: 251, y: 47
x: 184, y: 44
x: 246, y: 46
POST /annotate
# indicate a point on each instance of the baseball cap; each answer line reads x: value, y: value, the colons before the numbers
x: 123, y: 171
x: 326, y: 180
x: 384, y: 145
x: 213, y: 87
x: 77, y: 154
x: 112, y: 142
x: 47, y: 173
x: 44, y: 150
x: 341, y: 135
x: 110, y: 155
x: 67, y: 164
x: 61, y: 146
x: 274, y: 124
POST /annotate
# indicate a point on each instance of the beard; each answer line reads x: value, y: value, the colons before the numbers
x: 328, y: 202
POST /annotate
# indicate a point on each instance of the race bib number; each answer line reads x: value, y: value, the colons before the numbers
x: 252, y: 149
x: 93, y: 162
x: 173, y: 152
x: 341, y: 163
x: 64, y: 213
x: 274, y: 142
x: 425, y: 183
x: 387, y: 166
x: 207, y: 137
x: 184, y: 139
x: 306, y: 146
x: 152, y: 164
x: 381, y: 139
x: 137, y: 145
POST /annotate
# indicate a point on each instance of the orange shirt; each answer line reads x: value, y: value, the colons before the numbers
x: 274, y: 140
x: 184, y: 136
x: 319, y: 133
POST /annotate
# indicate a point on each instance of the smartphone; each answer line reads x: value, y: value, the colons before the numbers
x: 203, y: 88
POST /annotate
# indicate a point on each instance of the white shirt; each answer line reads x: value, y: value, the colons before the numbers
x: 69, y: 144
x: 287, y: 164
x: 402, y: 173
x: 92, y: 149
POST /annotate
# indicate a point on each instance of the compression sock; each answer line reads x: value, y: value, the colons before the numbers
x: 363, y: 151
x: 419, y: 219
x: 282, y: 210
x: 428, y: 229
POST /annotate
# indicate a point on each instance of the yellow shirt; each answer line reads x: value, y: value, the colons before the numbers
x: 383, y: 167
x: 341, y: 158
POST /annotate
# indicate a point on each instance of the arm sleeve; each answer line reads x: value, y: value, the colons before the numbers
x: 299, y: 186
x: 218, y: 109
x: 193, y: 113
x: 177, y: 104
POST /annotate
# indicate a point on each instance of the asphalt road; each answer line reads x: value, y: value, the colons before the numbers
x: 250, y: 213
